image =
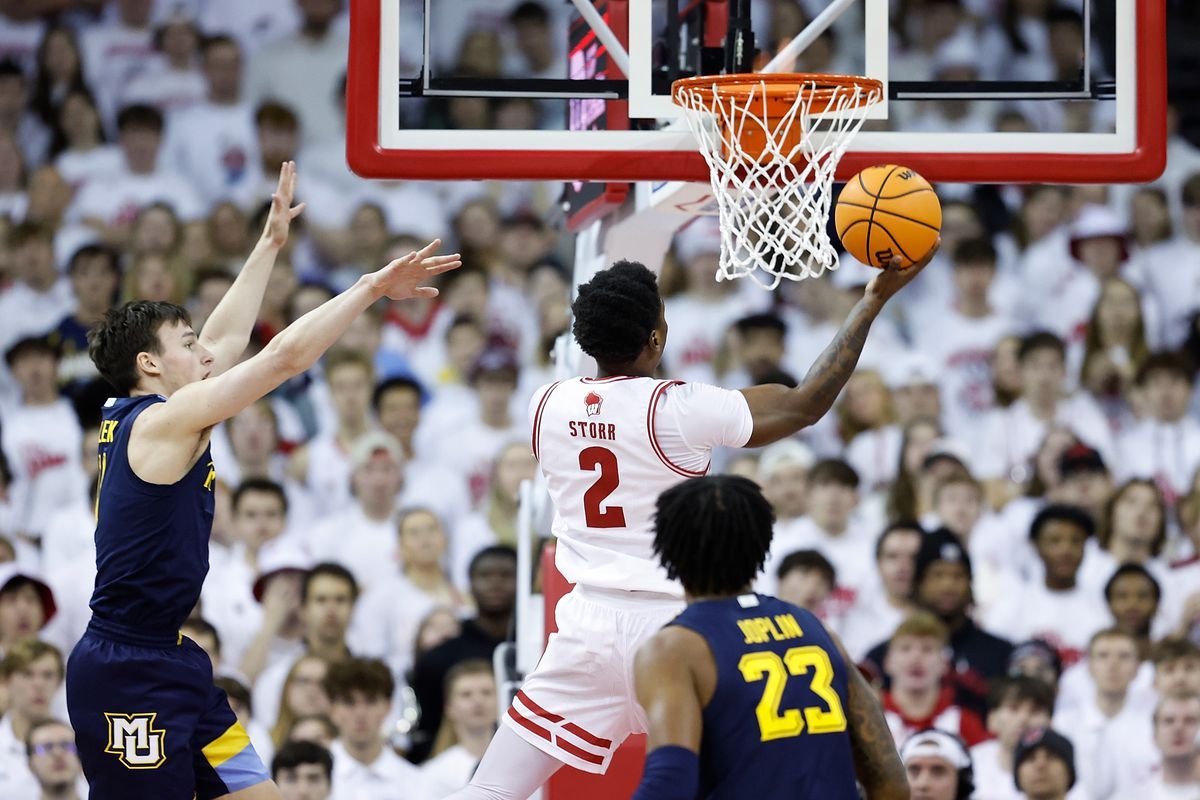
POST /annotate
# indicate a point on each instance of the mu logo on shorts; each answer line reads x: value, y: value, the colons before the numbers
x: 135, y: 741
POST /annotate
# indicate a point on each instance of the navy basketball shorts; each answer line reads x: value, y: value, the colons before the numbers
x: 150, y: 724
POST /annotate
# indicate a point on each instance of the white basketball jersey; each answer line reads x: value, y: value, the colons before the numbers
x: 608, y: 447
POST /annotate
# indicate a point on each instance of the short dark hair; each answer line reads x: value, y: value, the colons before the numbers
x: 1169, y: 361
x: 529, y: 11
x: 261, y: 486
x: 24, y: 232
x: 713, y: 533
x: 1021, y: 689
x: 761, y: 322
x: 142, y: 116
x: 615, y: 313
x: 1041, y: 340
x: 330, y: 569
x: 395, y: 384
x: 1132, y: 569
x: 114, y: 343
x: 974, y: 251
x: 833, y: 470
x: 808, y: 560
x: 1059, y: 512
x: 276, y: 115
x: 29, y: 346
x: 899, y: 526
x: 492, y: 551
x: 293, y: 754
x: 1174, y: 648
x: 218, y: 40
x: 9, y: 68
x: 235, y: 690
x: 367, y: 675
x: 95, y: 251
x: 203, y: 626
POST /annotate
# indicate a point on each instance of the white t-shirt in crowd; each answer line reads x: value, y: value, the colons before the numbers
x: 1170, y: 275
x: 253, y: 25
x: 386, y: 618
x: 113, y: 55
x: 164, y: 88
x: 303, y: 74
x: 1109, y: 751
x: 78, y: 167
x: 329, y: 470
x: 851, y: 552
x: 16, y: 780
x: 117, y: 199
x: 470, y: 450
x: 992, y: 781
x: 635, y: 438
x: 962, y: 348
x: 366, y: 547
x: 449, y: 771
x: 44, y: 446
x: 216, y: 148
x: 388, y: 777
x: 871, y: 620
x: 698, y: 328
x: 1166, y: 452
x: 875, y: 456
x: 1066, y: 619
x: 1011, y: 436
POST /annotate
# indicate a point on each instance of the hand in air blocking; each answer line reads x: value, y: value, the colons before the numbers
x: 282, y: 213
x: 403, y: 278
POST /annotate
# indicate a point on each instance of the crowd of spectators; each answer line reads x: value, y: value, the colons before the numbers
x: 1001, y: 518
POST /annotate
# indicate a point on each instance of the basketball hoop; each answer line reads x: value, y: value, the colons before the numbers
x: 772, y: 143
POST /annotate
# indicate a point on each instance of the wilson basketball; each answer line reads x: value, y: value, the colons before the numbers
x: 888, y: 211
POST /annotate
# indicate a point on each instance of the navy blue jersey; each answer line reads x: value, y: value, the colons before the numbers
x: 776, y: 725
x: 151, y: 539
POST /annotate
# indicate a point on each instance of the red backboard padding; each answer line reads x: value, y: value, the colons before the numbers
x: 625, y: 771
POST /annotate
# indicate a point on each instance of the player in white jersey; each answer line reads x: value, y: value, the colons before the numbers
x: 608, y: 446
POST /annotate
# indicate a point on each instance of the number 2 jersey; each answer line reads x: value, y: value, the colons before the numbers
x: 776, y: 723
x: 608, y: 448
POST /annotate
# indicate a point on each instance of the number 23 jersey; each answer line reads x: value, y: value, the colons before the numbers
x: 775, y: 725
x: 608, y: 447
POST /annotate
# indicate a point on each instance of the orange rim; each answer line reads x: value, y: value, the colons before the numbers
x: 780, y: 86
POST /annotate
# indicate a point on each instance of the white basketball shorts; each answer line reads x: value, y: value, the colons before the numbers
x: 579, y: 703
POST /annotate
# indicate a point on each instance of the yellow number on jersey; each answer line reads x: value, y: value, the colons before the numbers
x: 796, y: 661
x: 103, y: 458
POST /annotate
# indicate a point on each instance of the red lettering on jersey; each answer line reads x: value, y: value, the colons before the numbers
x: 604, y: 431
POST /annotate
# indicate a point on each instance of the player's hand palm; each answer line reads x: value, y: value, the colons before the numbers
x: 892, y: 278
x: 282, y: 213
x: 404, y: 277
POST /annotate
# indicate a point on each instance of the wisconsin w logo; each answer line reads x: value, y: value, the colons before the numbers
x: 135, y: 741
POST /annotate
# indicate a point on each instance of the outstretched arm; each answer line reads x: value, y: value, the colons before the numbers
x: 780, y: 412
x: 227, y: 330
x: 876, y: 762
x: 202, y: 404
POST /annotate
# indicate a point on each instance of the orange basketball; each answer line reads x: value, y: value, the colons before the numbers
x: 888, y: 211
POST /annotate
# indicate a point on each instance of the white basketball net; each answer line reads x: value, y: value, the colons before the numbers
x: 773, y: 209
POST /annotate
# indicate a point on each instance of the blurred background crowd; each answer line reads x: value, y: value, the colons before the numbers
x: 1001, y: 517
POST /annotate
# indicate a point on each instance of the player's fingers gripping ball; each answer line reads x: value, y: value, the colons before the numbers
x: 887, y: 212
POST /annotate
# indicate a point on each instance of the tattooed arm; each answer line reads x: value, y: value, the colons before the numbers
x: 780, y: 412
x: 877, y: 765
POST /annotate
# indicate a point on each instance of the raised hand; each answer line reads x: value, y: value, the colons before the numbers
x: 892, y: 278
x: 403, y: 278
x: 282, y: 212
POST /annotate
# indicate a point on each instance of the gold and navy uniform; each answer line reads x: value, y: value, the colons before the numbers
x: 148, y: 720
x: 775, y: 726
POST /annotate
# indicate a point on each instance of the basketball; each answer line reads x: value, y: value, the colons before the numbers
x: 888, y: 211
